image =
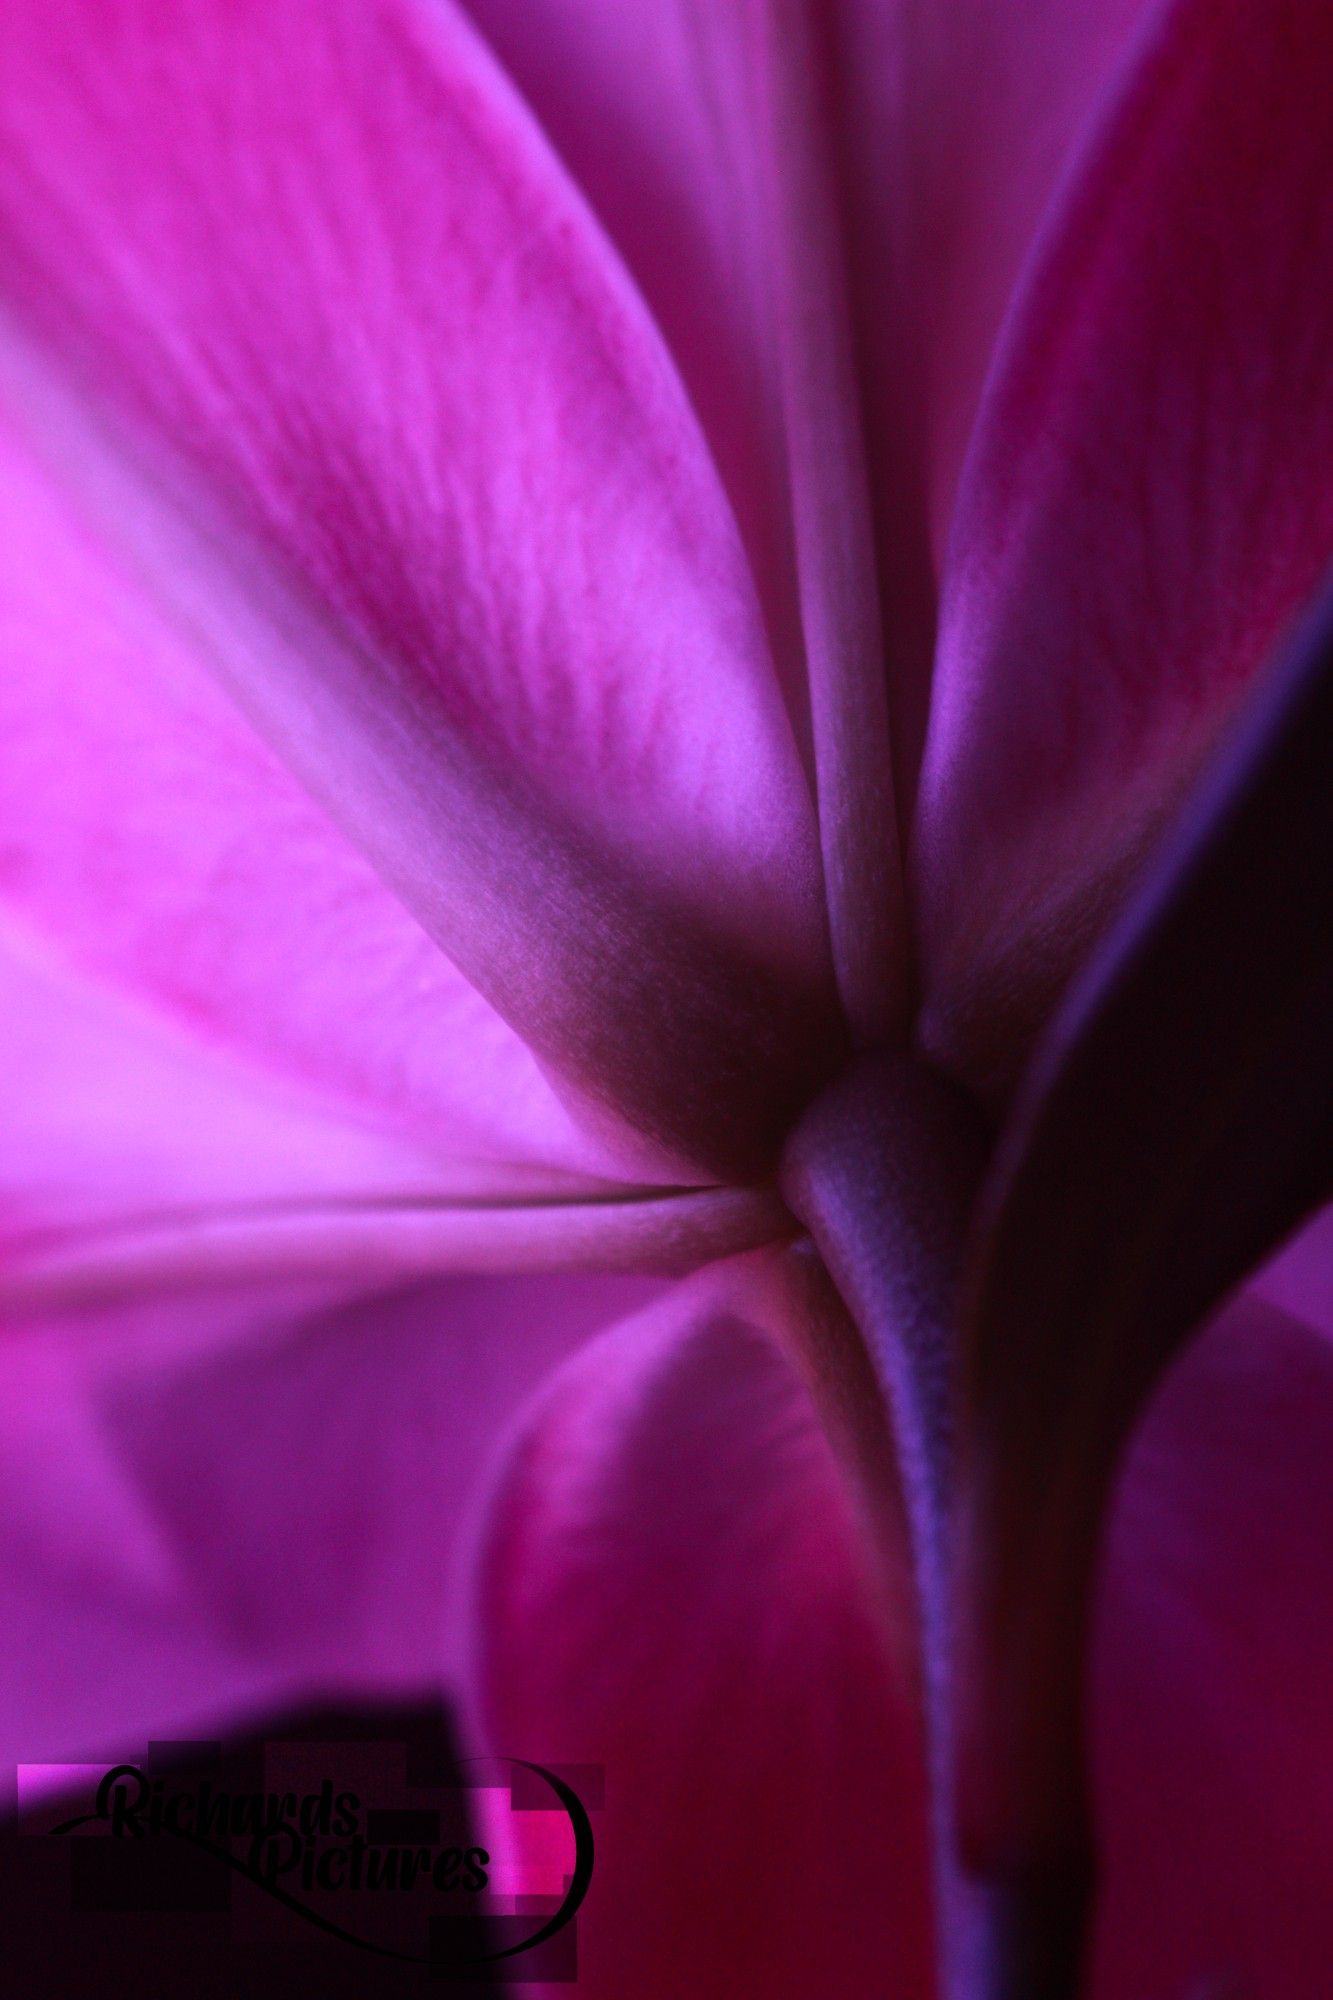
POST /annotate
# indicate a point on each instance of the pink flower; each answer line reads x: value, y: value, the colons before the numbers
x: 601, y: 604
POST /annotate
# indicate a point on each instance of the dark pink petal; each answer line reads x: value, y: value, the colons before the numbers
x: 674, y: 1587
x: 416, y: 411
x: 212, y: 1501
x: 1149, y: 1168
x: 965, y: 116
x: 1211, y: 1724
x: 959, y: 119
x: 1145, y: 508
x: 833, y: 530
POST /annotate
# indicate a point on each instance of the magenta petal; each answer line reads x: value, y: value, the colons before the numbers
x: 963, y: 115
x: 1161, y: 1163
x: 832, y: 529
x: 135, y: 1154
x: 151, y: 836
x: 656, y: 111
x: 1212, y: 1729
x: 957, y: 122
x: 672, y: 1587
x: 708, y: 142
x: 336, y: 266
x: 109, y: 1112
x: 1149, y: 1168
x: 215, y: 1501
x: 1145, y: 507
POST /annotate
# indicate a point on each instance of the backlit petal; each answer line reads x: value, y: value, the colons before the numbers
x: 358, y: 332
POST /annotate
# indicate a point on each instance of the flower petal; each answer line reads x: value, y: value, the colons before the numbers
x: 1145, y: 508
x: 959, y: 120
x: 1212, y: 1734
x: 963, y: 118
x: 154, y: 839
x: 110, y: 1111
x: 210, y: 1502
x: 673, y: 1588
x: 134, y: 1154
x: 1148, y: 1169
x: 657, y: 113
x: 833, y: 532
x: 376, y: 354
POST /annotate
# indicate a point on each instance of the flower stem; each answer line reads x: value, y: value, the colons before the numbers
x: 883, y: 1171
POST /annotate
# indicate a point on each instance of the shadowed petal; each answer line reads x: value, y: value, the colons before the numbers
x: 959, y: 120
x: 673, y: 1587
x: 953, y: 123
x: 1176, y: 1127
x: 1211, y: 1726
x: 832, y: 528
x: 1145, y: 509
x: 214, y: 1500
x: 414, y: 408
